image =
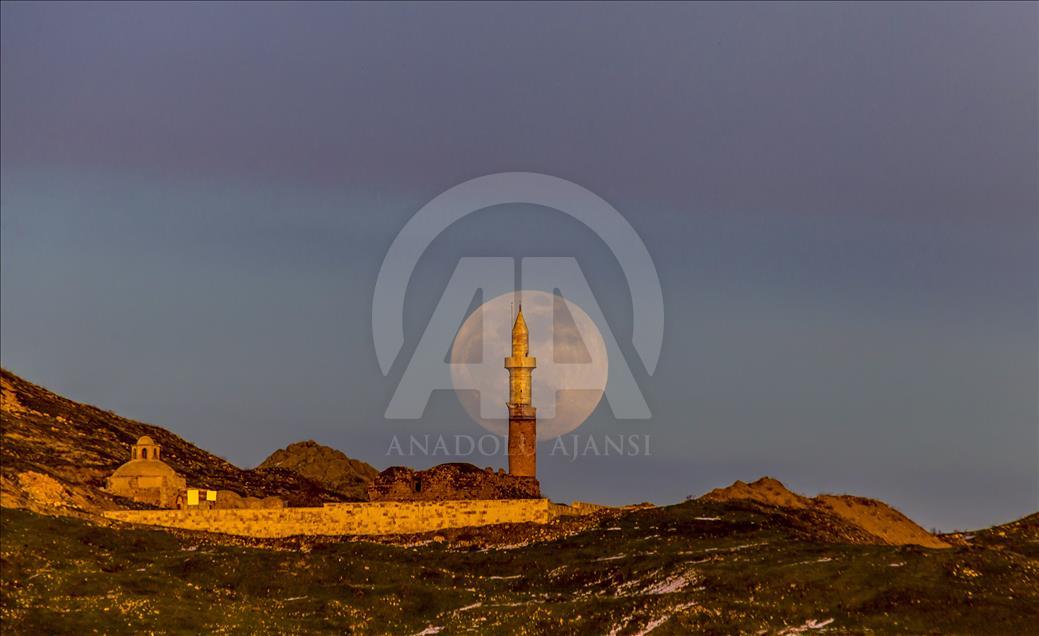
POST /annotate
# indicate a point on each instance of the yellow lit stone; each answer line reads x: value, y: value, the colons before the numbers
x: 389, y: 517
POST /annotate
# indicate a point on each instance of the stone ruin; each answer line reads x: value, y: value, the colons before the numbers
x: 447, y: 482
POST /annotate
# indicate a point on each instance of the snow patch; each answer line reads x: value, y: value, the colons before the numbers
x: 810, y: 624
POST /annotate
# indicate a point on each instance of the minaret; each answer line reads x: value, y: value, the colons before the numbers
x: 522, y: 418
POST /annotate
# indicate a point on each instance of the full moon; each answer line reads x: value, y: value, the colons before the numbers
x: 572, y: 364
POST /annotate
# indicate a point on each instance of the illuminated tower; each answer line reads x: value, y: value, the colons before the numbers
x: 522, y: 418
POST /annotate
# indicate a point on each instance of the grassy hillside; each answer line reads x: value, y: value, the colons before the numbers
x: 711, y: 567
x: 1021, y: 536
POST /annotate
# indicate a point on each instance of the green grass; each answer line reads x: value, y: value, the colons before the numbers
x: 750, y: 571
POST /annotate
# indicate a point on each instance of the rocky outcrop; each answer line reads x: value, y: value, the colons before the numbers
x: 765, y: 490
x: 326, y: 466
x: 450, y: 481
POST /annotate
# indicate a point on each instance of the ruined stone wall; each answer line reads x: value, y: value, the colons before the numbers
x: 373, y: 518
x: 576, y: 509
x: 450, y: 481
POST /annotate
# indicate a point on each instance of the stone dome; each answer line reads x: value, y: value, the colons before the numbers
x: 146, y: 468
x: 145, y: 440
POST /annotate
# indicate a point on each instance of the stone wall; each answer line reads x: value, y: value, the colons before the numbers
x: 227, y: 499
x: 373, y: 518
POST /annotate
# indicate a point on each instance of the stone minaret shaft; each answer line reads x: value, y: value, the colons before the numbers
x: 522, y: 418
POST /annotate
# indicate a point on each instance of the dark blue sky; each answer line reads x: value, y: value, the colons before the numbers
x: 841, y: 201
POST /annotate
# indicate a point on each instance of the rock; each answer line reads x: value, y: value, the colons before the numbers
x: 765, y: 490
x: 43, y: 489
x: 324, y: 465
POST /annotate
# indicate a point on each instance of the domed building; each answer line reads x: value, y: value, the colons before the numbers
x: 146, y: 478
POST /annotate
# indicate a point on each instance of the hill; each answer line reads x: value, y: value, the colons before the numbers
x: 1021, y: 536
x: 876, y: 518
x: 57, y: 453
x: 326, y: 466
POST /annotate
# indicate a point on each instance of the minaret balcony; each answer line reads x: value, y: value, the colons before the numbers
x: 521, y: 362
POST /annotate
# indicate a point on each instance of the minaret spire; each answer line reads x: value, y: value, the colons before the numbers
x: 522, y: 414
